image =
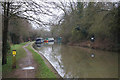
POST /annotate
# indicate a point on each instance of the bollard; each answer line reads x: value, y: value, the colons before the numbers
x: 13, y: 59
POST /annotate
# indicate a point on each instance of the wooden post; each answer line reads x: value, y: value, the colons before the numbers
x: 13, y: 59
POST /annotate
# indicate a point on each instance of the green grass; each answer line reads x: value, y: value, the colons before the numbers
x: 42, y: 71
x: 20, y: 53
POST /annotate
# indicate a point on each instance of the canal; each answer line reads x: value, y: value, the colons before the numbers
x: 78, y: 62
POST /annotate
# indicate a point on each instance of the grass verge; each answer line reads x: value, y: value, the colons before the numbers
x: 42, y: 70
x: 20, y: 53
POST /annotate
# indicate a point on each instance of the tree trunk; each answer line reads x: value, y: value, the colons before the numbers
x: 5, y: 32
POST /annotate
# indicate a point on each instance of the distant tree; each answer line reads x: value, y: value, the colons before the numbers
x: 19, y: 30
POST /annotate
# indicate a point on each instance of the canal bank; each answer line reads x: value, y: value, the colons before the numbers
x: 45, y: 66
x: 105, y: 45
x: 29, y: 64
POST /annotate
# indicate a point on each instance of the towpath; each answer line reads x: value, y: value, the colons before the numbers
x: 27, y: 66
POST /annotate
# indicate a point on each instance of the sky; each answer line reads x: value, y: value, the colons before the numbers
x: 47, y: 18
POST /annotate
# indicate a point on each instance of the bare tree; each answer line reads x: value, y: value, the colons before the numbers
x: 25, y: 10
x: 5, y: 31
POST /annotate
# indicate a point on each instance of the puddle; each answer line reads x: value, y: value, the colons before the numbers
x: 28, y: 68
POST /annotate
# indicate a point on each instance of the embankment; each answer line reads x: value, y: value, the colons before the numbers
x: 45, y: 69
x: 106, y: 45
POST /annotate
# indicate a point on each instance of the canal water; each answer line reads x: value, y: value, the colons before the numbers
x: 78, y: 62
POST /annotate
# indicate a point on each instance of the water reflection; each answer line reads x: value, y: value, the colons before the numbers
x: 76, y: 62
x: 39, y: 45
